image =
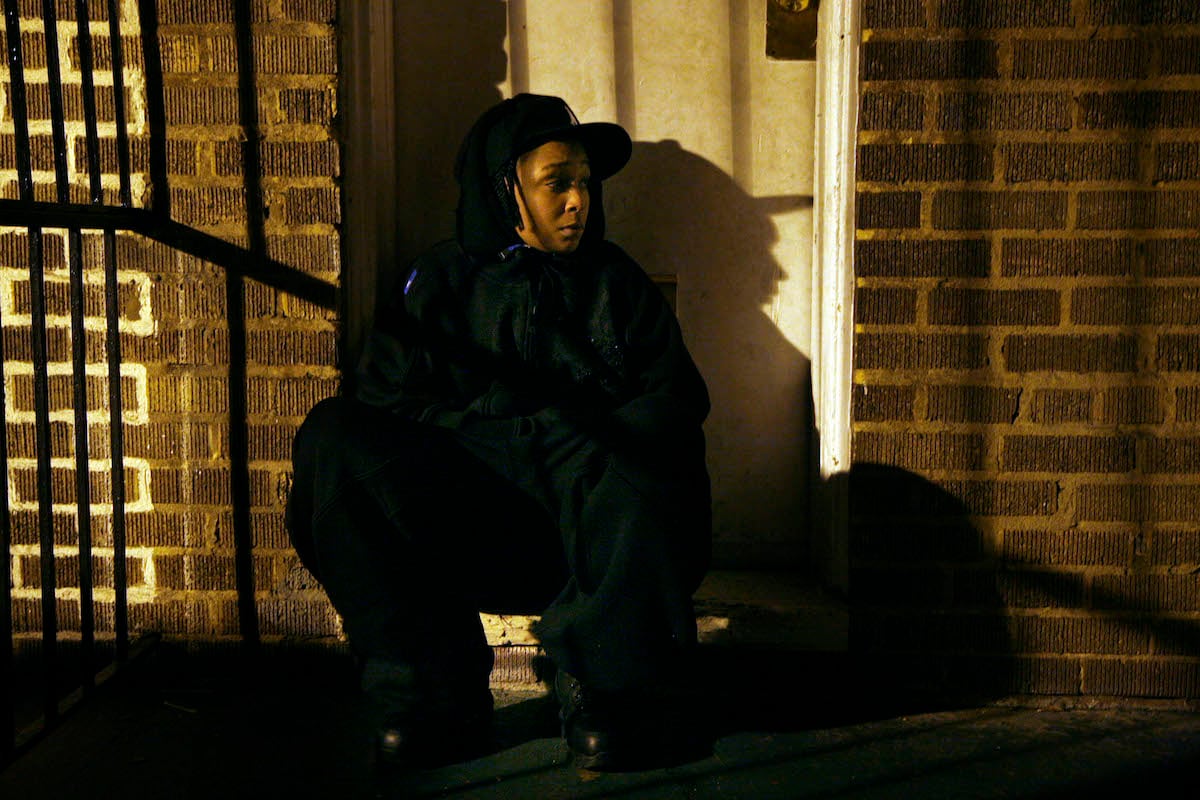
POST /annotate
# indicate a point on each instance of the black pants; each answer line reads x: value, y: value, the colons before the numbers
x: 413, y: 529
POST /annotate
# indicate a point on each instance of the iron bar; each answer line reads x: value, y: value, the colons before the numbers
x: 156, y: 113
x: 83, y: 494
x: 235, y: 290
x: 88, y: 86
x: 118, y: 74
x: 187, y: 240
x: 87, y: 619
x: 7, y: 671
x: 116, y: 444
x: 58, y: 126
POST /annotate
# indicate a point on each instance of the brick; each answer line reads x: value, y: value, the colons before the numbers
x: 1015, y: 14
x: 929, y: 60
x: 307, y: 253
x: 1055, y: 257
x: 267, y: 531
x: 1178, y: 353
x: 323, y: 11
x: 300, y: 55
x: 1057, y: 406
x: 1178, y: 455
x: 888, y: 210
x: 1135, y: 305
x: 1034, y: 111
x: 1172, y: 258
x: 271, y: 442
x: 159, y: 528
x: 914, y: 544
x: 920, y: 351
x: 1175, y: 548
x: 1077, y: 548
x: 1142, y: 12
x: 209, y: 205
x: 1180, y: 55
x: 1187, y: 404
x: 290, y: 347
x: 1139, y: 210
x: 307, y: 106
x: 1178, y: 161
x: 1156, y: 593
x: 1070, y: 353
x: 1038, y: 633
x: 999, y: 498
x: 885, y: 306
x: 1071, y: 162
x: 907, y: 163
x: 923, y: 258
x: 201, y: 105
x: 1141, y: 678
x: 977, y: 404
x: 1018, y: 588
x: 993, y: 307
x: 1131, y: 405
x: 310, y: 205
x: 892, y: 111
x: 288, y: 396
x: 180, y: 54
x: 1073, y: 59
x: 285, y: 159
x: 921, y: 451
x: 1140, y: 109
x: 880, y: 402
x: 209, y: 486
x: 1070, y: 454
x: 1010, y: 210
x: 893, y: 14
x: 296, y: 617
x: 171, y: 617
x: 1138, y: 503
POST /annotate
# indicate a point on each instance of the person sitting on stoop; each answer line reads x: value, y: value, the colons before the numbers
x: 524, y: 434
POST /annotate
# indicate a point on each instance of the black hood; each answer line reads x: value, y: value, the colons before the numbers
x: 487, y: 212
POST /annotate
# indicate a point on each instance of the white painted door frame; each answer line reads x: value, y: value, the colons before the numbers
x: 838, y: 36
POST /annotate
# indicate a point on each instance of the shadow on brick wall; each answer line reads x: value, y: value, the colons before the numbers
x: 926, y: 616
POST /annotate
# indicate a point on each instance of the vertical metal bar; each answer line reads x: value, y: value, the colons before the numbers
x: 37, y: 335
x: 83, y: 496
x: 239, y: 436
x: 156, y: 113
x: 118, y: 73
x: 116, y: 444
x: 57, y: 117
x: 87, y: 619
x: 88, y: 84
x: 7, y: 676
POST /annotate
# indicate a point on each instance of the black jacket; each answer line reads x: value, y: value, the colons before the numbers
x: 495, y: 347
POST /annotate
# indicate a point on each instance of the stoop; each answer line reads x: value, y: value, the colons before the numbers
x: 750, y: 609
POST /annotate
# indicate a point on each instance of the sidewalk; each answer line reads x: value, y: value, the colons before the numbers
x: 292, y: 727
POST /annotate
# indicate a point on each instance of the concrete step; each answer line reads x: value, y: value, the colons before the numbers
x: 734, y: 608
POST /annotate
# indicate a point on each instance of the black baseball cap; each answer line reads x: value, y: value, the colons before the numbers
x: 527, y: 121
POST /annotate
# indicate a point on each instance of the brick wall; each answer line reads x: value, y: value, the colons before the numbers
x: 175, y: 332
x: 1027, y: 356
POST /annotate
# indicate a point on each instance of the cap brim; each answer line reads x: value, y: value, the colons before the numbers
x: 608, y: 145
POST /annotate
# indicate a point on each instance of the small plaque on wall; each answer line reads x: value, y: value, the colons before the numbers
x: 792, y: 29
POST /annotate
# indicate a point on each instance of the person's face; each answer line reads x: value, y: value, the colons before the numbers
x: 552, y: 194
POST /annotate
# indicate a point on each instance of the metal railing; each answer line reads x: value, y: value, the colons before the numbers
x: 109, y: 215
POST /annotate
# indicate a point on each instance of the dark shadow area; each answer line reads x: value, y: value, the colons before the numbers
x: 927, y: 618
x: 289, y: 722
x: 681, y: 216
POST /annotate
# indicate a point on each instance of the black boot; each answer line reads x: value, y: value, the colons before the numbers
x: 423, y: 725
x: 588, y: 722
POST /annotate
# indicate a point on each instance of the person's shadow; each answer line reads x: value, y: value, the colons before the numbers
x: 681, y: 216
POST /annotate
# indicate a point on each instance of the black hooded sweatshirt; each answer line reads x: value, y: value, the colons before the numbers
x: 494, y: 339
